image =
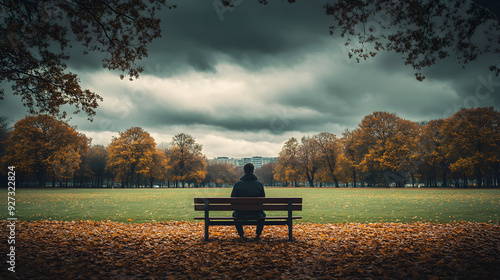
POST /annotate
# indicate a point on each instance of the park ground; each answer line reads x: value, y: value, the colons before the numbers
x: 345, y: 234
x: 320, y: 205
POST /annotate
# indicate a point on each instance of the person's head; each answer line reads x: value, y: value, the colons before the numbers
x: 248, y: 168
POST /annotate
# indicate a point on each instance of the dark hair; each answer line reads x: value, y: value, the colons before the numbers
x: 248, y: 168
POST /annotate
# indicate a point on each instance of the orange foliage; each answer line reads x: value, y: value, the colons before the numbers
x: 46, y: 148
x: 176, y: 250
x: 309, y: 158
x: 391, y: 141
x: 131, y: 154
x: 329, y: 150
x: 386, y: 148
x: 221, y: 173
x: 472, y: 143
x: 288, y: 168
x: 187, y: 163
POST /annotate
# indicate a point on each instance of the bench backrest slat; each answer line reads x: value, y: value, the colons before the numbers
x: 248, y: 207
x: 247, y: 200
x: 248, y: 203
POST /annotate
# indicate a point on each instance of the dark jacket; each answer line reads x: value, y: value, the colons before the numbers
x: 248, y: 186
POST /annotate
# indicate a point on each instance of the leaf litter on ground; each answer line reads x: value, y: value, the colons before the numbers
x: 177, y: 250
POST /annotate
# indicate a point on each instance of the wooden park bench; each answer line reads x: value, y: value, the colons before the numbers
x: 267, y: 204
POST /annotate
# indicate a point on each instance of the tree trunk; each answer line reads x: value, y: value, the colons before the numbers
x: 479, y: 178
x: 42, y: 177
x: 445, y: 180
x: 354, y: 177
x: 487, y: 182
x: 310, y: 180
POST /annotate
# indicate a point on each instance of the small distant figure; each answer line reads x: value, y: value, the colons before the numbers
x: 249, y: 186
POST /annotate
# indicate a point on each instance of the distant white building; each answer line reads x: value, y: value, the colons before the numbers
x: 257, y: 161
x: 226, y: 160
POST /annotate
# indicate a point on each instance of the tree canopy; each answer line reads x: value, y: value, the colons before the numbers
x: 35, y: 36
x: 422, y: 32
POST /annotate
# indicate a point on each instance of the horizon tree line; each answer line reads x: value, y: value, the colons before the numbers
x: 387, y: 150
x: 384, y: 150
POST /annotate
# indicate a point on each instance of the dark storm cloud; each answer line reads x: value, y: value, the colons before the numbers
x: 251, y: 34
x: 197, y: 33
x: 233, y: 123
x: 475, y: 85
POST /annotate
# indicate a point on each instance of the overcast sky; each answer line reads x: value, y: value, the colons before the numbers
x: 243, y: 81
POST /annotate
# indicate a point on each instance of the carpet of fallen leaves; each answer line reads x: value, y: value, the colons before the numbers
x: 176, y: 250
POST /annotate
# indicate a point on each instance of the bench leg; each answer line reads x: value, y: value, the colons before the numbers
x: 206, y: 231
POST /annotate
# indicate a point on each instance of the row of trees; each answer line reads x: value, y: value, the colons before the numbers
x: 383, y: 150
x: 386, y: 149
x: 45, y: 150
x: 134, y: 158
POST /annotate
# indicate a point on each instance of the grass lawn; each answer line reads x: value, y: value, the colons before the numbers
x: 320, y: 205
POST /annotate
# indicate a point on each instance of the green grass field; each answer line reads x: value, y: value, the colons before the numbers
x: 320, y: 205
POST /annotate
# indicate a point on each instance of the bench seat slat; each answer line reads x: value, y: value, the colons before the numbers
x: 257, y: 218
x: 249, y: 223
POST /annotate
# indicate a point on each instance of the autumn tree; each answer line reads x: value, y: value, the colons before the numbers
x: 392, y: 146
x: 266, y: 174
x: 84, y: 175
x: 472, y: 143
x: 186, y: 159
x: 287, y: 168
x: 97, y: 157
x: 221, y: 173
x: 309, y: 158
x: 434, y: 163
x: 351, y: 153
x: 35, y: 36
x: 45, y: 148
x: 131, y: 155
x: 159, y: 168
x: 328, y: 145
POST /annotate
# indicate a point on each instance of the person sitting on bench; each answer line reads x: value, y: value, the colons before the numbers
x: 249, y: 186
